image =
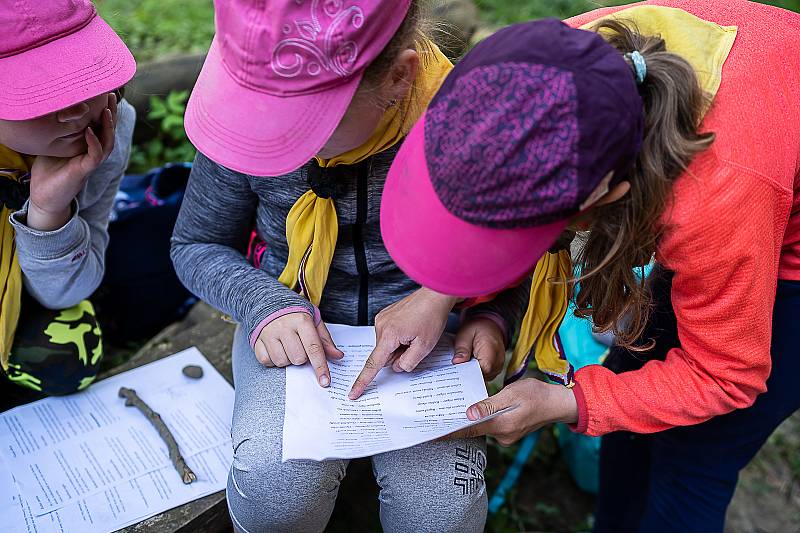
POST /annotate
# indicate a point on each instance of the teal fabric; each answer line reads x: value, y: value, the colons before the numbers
x: 582, y: 452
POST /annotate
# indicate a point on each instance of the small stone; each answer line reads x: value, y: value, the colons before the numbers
x: 193, y: 371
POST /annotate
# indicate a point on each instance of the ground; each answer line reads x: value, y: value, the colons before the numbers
x: 546, y: 498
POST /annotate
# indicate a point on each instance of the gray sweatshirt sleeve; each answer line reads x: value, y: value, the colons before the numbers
x: 209, y: 246
x: 62, y: 267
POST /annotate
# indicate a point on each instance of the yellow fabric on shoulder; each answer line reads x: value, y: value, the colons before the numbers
x: 312, y: 226
x: 706, y: 46
x: 12, y: 166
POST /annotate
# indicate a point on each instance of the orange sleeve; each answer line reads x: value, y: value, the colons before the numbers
x: 722, y: 240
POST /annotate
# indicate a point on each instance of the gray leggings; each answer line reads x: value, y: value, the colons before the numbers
x: 436, y: 486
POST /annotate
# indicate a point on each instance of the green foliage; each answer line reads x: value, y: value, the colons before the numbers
x: 153, y: 28
x: 170, y: 143
x: 508, y: 12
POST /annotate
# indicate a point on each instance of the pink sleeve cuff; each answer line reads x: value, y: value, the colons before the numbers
x: 583, y: 413
x: 494, y: 317
x: 277, y: 314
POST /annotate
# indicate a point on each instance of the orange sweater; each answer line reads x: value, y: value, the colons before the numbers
x: 734, y: 230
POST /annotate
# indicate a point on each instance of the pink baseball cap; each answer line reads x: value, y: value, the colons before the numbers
x: 280, y: 76
x: 55, y: 54
x: 520, y: 134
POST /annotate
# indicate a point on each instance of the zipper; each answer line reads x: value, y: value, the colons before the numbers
x: 358, y: 243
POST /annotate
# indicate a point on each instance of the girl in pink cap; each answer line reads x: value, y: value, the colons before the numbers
x: 298, y: 113
x: 671, y: 131
x: 65, y: 138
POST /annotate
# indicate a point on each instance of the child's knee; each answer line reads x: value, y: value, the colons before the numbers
x: 56, y: 352
x: 265, y: 494
x: 451, y: 473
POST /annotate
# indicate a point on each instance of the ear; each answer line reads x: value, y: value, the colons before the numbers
x: 601, y: 195
x: 618, y: 191
x: 402, y: 75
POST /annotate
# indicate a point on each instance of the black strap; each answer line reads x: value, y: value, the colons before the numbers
x: 331, y: 182
x: 14, y: 192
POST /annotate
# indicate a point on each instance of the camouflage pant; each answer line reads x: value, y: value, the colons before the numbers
x: 55, y: 352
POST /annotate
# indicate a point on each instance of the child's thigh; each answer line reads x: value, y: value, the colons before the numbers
x: 435, y: 486
x: 264, y: 493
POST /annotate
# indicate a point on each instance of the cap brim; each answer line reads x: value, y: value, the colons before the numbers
x: 64, y: 72
x: 439, y: 250
x: 257, y: 133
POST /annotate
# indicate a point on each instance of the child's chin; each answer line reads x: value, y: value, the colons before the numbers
x: 67, y: 149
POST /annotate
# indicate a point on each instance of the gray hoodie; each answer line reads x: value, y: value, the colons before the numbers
x: 220, y: 209
x: 62, y: 267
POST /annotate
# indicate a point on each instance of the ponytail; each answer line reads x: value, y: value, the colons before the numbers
x: 623, y: 235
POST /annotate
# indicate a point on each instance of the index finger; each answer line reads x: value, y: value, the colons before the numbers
x: 383, y: 351
x: 316, y: 353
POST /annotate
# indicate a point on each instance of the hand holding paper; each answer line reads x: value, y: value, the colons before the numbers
x: 395, y: 411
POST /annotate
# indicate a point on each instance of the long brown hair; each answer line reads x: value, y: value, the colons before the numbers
x: 624, y: 234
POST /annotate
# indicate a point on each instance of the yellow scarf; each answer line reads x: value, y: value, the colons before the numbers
x: 312, y: 226
x: 12, y: 166
x: 705, y: 46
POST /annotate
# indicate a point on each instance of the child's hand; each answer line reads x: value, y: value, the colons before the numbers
x: 56, y: 181
x: 482, y: 339
x: 294, y: 340
x: 405, y: 332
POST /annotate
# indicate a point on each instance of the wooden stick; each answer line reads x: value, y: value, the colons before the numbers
x: 133, y: 399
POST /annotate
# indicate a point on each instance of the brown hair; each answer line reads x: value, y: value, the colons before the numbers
x: 624, y: 234
x: 409, y: 35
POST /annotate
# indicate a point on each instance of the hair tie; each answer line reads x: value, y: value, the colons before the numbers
x: 639, y: 65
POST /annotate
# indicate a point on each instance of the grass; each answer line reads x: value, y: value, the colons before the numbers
x: 154, y: 28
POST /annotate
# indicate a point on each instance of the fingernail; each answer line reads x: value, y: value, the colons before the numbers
x: 91, y: 131
x: 461, y: 354
x: 324, y: 381
x: 352, y: 395
x: 473, y: 414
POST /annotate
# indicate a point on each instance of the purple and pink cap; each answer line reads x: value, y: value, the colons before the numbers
x: 522, y: 131
x: 55, y: 54
x: 280, y: 75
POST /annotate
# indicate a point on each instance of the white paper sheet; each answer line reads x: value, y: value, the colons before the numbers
x: 397, y: 410
x: 119, y: 506
x: 64, y: 450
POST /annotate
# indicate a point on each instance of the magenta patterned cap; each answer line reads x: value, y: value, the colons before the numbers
x: 280, y: 75
x: 520, y: 134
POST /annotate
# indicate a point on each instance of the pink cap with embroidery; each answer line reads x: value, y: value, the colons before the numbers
x: 55, y: 54
x: 280, y: 75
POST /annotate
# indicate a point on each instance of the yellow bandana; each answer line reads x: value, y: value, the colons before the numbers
x: 705, y: 46
x: 312, y: 226
x: 12, y: 166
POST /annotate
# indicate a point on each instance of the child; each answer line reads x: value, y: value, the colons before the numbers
x: 64, y: 144
x: 342, y: 81
x: 671, y: 128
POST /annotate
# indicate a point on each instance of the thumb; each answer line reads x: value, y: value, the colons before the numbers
x: 464, y: 341
x: 489, y: 406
